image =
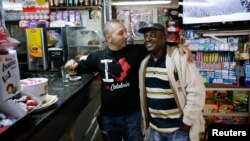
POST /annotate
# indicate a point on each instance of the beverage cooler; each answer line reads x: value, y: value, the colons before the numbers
x: 46, y: 49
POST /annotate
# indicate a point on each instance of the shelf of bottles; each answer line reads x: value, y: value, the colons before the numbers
x: 75, y: 4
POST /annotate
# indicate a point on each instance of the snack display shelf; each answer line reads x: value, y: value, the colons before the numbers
x: 241, y: 114
x: 227, y: 88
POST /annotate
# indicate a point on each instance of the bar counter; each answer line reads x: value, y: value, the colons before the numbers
x: 58, y: 122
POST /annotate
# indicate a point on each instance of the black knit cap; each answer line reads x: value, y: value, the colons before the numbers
x: 157, y: 26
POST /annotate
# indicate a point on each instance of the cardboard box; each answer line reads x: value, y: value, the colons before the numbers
x: 9, y: 75
x: 10, y: 88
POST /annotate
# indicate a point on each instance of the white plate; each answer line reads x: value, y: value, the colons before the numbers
x: 49, y: 101
x: 75, y: 78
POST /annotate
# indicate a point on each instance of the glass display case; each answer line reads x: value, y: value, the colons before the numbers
x: 81, y: 42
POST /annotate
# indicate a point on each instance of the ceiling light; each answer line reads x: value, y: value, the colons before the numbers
x: 123, y: 3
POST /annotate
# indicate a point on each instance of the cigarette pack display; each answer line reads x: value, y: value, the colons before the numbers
x: 247, y: 75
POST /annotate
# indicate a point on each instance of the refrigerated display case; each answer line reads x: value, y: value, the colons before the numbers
x: 81, y: 42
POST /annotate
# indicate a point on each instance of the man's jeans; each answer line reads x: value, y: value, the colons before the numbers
x: 174, y: 136
x: 121, y: 128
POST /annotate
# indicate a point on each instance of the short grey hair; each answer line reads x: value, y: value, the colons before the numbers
x: 108, y: 27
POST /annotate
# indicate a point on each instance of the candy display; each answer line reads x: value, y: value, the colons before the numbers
x: 226, y: 108
x: 211, y: 107
x: 25, y: 102
x: 222, y: 106
x: 9, y: 114
x: 34, y: 14
x: 63, y: 18
x: 209, y: 96
x: 6, y: 121
x: 239, y: 120
x: 240, y: 101
x: 226, y: 119
x: 15, y: 108
x: 226, y: 101
x: 222, y: 96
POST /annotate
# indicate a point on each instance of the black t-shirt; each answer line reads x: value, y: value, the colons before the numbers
x: 119, y: 76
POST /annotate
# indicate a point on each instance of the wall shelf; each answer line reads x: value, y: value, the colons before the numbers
x: 226, y: 87
x: 241, y: 114
x: 217, y: 33
x: 75, y: 8
x: 227, y: 33
x: 234, y: 89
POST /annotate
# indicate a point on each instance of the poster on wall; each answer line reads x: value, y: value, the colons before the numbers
x: 136, y: 18
x: 140, y: 18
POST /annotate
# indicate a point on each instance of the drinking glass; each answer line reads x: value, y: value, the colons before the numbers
x: 65, y: 76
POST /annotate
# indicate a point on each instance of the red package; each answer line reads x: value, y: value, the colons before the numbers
x: 6, y: 43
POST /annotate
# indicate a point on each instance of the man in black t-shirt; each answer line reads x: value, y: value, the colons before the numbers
x: 118, y: 66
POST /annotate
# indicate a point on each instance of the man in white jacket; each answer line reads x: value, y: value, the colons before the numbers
x: 172, y: 91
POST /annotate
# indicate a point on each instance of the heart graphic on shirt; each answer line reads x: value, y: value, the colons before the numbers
x: 125, y: 67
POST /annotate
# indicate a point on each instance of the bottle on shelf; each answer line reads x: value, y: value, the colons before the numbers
x: 99, y: 2
x: 61, y: 2
x: 86, y: 2
x: 95, y: 2
x: 81, y: 2
x: 69, y: 2
x: 51, y: 2
x: 244, y: 53
x: 56, y: 2
x: 75, y: 2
